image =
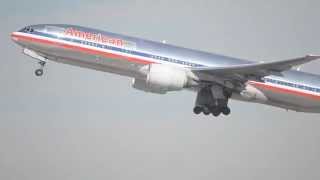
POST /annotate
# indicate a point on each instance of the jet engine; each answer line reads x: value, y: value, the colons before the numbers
x: 161, y: 79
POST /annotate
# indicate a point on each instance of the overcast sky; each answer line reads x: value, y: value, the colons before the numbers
x: 80, y: 124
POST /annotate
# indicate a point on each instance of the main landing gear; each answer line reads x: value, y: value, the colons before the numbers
x: 39, y: 72
x: 212, y: 100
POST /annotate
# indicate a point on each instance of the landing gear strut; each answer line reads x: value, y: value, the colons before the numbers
x: 212, y: 100
x: 39, y: 72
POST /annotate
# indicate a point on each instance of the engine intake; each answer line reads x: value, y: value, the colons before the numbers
x: 162, y: 79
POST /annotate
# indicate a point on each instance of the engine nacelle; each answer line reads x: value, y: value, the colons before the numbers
x: 161, y: 79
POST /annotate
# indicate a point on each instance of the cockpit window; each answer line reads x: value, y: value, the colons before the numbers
x: 27, y: 29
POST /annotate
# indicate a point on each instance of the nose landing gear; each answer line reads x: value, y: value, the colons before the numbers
x: 39, y: 72
x: 42, y: 60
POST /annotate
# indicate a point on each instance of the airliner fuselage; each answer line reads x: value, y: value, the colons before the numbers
x: 159, y: 68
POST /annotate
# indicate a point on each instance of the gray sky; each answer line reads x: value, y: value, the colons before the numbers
x: 75, y: 124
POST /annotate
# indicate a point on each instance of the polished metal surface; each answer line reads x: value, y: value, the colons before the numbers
x: 124, y: 55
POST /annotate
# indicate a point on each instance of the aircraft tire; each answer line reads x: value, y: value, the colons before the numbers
x: 226, y: 111
x: 216, y: 113
x: 197, y: 110
x: 39, y: 72
x: 206, y: 111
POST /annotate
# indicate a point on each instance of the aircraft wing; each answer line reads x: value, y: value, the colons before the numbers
x: 257, y: 70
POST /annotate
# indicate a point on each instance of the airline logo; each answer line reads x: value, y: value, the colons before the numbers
x: 96, y: 37
x: 99, y: 38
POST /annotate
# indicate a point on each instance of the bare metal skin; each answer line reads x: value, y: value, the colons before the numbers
x: 160, y: 68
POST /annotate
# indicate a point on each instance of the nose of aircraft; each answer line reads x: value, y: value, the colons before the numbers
x: 14, y: 37
x: 19, y: 36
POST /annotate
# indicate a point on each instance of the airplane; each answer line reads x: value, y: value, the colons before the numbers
x: 158, y: 67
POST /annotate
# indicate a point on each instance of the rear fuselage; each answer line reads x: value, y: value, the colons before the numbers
x: 124, y: 55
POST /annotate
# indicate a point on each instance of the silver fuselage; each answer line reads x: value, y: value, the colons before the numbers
x: 124, y: 55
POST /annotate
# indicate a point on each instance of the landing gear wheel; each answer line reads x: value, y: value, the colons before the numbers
x: 39, y: 72
x: 197, y: 110
x: 216, y: 113
x: 226, y: 111
x: 206, y: 111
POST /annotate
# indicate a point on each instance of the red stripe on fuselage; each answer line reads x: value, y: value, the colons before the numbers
x: 284, y: 90
x: 81, y: 49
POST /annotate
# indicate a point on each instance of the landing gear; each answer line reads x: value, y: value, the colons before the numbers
x: 206, y: 111
x: 212, y: 100
x: 39, y: 72
x: 197, y: 110
x: 226, y: 111
x: 215, y: 111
